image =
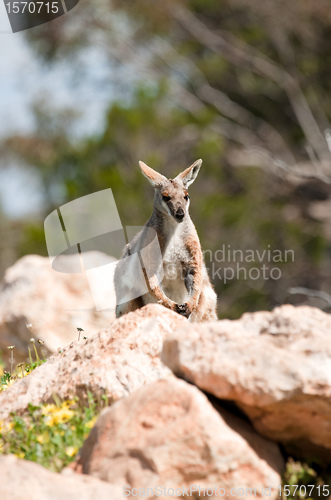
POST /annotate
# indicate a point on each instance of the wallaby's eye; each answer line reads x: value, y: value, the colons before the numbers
x: 166, y: 198
x: 186, y: 197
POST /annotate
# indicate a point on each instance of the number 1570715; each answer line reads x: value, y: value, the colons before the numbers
x: 32, y: 7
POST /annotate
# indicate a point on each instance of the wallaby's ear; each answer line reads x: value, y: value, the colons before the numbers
x: 154, y: 177
x: 189, y: 175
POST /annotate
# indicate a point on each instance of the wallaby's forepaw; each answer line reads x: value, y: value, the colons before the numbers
x: 183, y: 310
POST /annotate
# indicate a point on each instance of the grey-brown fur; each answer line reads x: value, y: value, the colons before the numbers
x: 166, y: 255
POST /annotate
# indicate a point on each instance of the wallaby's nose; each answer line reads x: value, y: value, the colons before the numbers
x: 180, y: 214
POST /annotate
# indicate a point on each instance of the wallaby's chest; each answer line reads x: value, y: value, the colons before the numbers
x: 176, y: 252
x: 175, y: 262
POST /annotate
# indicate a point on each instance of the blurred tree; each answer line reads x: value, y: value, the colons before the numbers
x: 238, y: 84
x: 262, y: 73
x: 10, y: 240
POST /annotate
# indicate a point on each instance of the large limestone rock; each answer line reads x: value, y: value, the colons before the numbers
x: 275, y: 365
x: 54, y: 303
x: 169, y: 434
x: 117, y: 361
x: 21, y: 479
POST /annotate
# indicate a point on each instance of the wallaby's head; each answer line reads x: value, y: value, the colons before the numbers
x: 171, y: 196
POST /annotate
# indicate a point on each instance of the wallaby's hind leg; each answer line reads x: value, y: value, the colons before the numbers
x: 206, y: 310
x: 129, y: 306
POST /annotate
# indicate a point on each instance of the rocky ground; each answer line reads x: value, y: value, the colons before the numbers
x: 214, y: 405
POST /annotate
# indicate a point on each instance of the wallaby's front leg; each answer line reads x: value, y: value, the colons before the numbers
x: 155, y: 290
x: 193, y: 277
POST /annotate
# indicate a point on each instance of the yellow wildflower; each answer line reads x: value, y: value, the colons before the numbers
x: 71, y: 450
x: 91, y: 423
x: 68, y: 403
x: 43, y: 438
x: 60, y: 416
x: 48, y: 409
x: 6, y: 426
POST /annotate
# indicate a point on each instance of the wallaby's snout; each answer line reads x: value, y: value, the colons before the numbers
x: 180, y: 214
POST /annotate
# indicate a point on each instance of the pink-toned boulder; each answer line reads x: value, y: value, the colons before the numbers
x: 169, y: 434
x: 116, y: 362
x: 24, y: 480
x: 55, y: 304
x: 275, y: 365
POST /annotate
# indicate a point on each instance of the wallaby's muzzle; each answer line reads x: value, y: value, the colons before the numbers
x: 180, y: 214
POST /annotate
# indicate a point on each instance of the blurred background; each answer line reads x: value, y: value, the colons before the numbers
x: 244, y: 85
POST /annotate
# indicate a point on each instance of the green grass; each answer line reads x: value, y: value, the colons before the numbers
x: 302, y: 481
x: 50, y: 434
x: 22, y: 369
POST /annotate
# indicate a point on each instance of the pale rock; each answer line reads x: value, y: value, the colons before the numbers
x: 21, y: 479
x: 115, y: 362
x: 169, y: 434
x: 54, y: 303
x: 276, y: 366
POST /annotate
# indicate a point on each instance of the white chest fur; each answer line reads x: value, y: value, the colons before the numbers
x: 175, y: 255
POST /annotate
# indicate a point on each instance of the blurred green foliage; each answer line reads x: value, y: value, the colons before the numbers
x: 169, y: 117
x: 303, y: 481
